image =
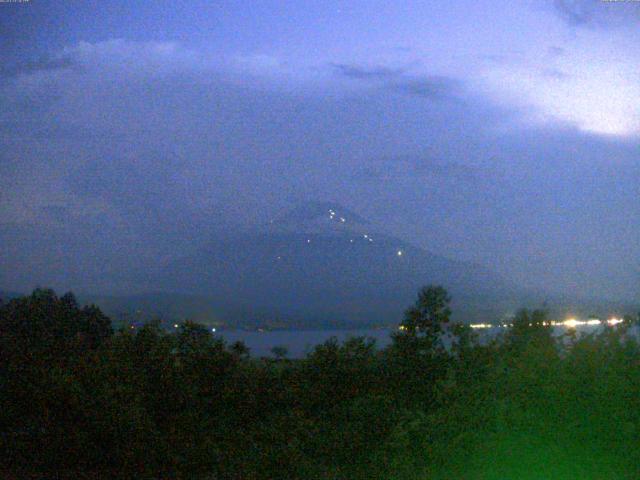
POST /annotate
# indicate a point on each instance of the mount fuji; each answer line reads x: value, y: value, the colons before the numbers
x: 324, y: 263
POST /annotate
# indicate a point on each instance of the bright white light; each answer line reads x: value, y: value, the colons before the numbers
x: 342, y: 219
x: 175, y: 325
x: 572, y: 323
x: 399, y: 253
x: 593, y: 321
x: 213, y: 330
x: 614, y: 321
x: 366, y: 236
x: 593, y: 87
x: 308, y: 241
x: 481, y: 325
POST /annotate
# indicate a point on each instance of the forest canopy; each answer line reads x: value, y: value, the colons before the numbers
x: 82, y: 401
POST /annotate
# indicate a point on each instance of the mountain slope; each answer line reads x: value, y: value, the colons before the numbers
x: 323, y: 261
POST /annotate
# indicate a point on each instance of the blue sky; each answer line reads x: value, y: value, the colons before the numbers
x: 504, y: 133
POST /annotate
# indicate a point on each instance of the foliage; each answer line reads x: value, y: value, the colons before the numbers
x: 429, y: 314
x: 79, y: 401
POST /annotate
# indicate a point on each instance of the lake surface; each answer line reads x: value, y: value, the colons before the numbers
x: 301, y: 342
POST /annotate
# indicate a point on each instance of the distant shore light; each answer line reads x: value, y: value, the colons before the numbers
x: 571, y: 323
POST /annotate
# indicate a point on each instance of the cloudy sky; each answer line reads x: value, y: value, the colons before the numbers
x: 504, y: 133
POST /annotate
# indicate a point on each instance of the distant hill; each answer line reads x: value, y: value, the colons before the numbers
x: 7, y: 295
x: 325, y: 262
x: 315, y: 266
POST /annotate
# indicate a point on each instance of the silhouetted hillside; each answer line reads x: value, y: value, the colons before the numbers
x: 323, y: 261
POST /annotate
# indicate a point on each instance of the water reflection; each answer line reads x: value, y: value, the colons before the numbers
x: 301, y: 342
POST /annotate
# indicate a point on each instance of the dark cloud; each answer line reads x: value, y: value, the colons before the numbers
x: 367, y: 73
x: 555, y: 74
x: 169, y: 158
x: 433, y: 87
x: 56, y: 213
x: 145, y: 183
x: 502, y: 58
x: 37, y: 129
x: 575, y: 12
x: 555, y: 51
x: 597, y: 13
x: 452, y: 170
x: 42, y: 64
x: 426, y: 166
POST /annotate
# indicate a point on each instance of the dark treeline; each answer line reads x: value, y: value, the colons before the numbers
x: 81, y: 401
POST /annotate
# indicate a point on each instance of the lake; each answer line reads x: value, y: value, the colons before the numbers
x: 300, y: 342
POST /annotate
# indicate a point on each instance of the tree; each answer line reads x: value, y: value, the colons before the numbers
x: 280, y: 352
x: 45, y: 341
x: 44, y: 327
x: 530, y: 326
x: 193, y: 337
x: 430, y: 312
x: 239, y: 348
x: 417, y: 359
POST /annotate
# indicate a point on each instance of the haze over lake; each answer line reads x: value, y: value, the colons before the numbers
x: 301, y: 342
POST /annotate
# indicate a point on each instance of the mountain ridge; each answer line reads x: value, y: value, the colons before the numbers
x: 325, y: 260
